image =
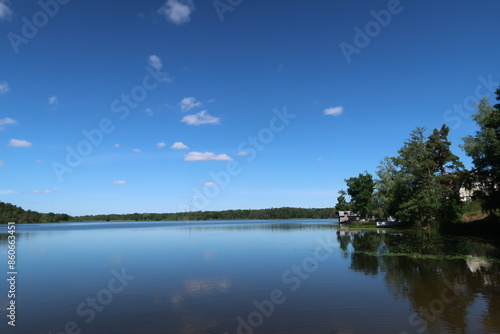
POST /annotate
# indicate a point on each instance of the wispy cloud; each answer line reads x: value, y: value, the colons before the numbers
x: 39, y: 161
x: 19, y: 143
x: 2, y: 163
x: 155, y: 62
x: 119, y: 182
x: 333, y: 111
x: 4, y: 86
x: 210, y: 184
x: 197, y: 156
x: 53, y: 101
x: 5, y: 11
x: 179, y: 146
x: 177, y: 11
x: 6, y: 121
x: 242, y: 153
x: 136, y: 150
x: 203, y: 117
x: 189, y: 103
x: 149, y: 111
x: 116, y: 145
x: 6, y: 191
x: 161, y: 145
x: 43, y: 191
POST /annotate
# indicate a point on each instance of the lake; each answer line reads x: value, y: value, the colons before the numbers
x: 290, y: 276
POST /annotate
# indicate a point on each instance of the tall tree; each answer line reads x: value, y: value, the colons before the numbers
x: 484, y: 149
x: 386, y: 187
x: 447, y: 169
x: 342, y: 204
x: 360, y: 189
x: 425, y: 189
x: 418, y: 198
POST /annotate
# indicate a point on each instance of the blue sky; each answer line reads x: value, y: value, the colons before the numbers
x: 173, y: 94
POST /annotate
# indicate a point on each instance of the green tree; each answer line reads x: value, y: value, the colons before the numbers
x: 360, y: 189
x: 447, y: 169
x: 484, y: 149
x: 386, y: 187
x: 425, y: 189
x: 418, y: 201
x: 342, y: 204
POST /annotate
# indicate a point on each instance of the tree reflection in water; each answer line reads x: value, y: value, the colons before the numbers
x: 445, y: 279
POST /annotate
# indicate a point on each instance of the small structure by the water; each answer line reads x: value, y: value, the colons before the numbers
x: 347, y: 216
x: 388, y: 223
x: 467, y: 192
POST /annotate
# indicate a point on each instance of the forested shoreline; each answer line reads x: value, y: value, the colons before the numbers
x: 12, y: 213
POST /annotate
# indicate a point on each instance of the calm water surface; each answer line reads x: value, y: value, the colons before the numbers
x: 300, y: 276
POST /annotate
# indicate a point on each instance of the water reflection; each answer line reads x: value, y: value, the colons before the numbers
x: 447, y: 280
x: 226, y: 225
x: 207, y: 286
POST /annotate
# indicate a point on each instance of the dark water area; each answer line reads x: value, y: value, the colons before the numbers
x: 290, y: 276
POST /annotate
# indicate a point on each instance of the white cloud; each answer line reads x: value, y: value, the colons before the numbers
x: 136, y: 150
x: 242, y: 153
x: 155, y: 62
x: 5, y: 11
x: 210, y: 184
x: 177, y: 11
x: 119, y: 182
x: 197, y: 156
x: 161, y: 145
x: 4, y: 86
x: 179, y: 146
x: 53, y: 101
x: 2, y: 163
x: 149, y: 111
x: 189, y: 103
x: 203, y: 117
x: 333, y: 111
x: 6, y: 121
x: 6, y: 191
x: 116, y: 145
x: 42, y: 191
x: 19, y: 143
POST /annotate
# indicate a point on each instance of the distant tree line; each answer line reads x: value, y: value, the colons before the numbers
x: 272, y: 213
x: 421, y: 185
x: 13, y: 213
x: 9, y: 212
